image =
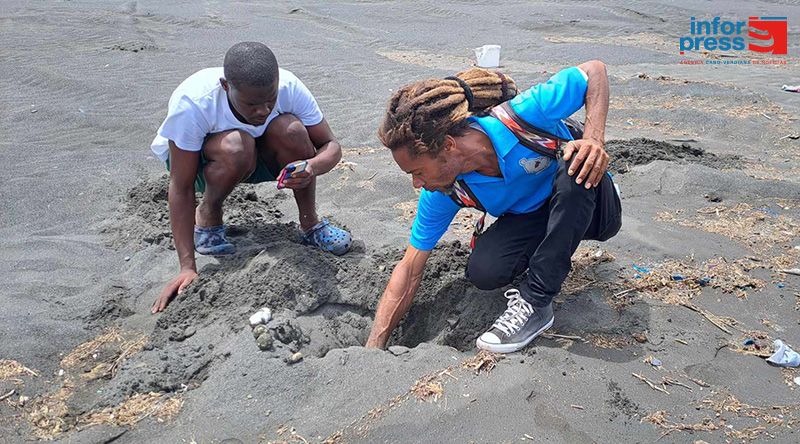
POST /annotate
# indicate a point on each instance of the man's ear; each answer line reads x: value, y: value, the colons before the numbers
x: 224, y: 84
x: 449, y: 143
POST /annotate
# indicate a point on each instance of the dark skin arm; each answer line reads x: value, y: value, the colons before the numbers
x: 329, y: 153
x: 397, y: 297
x: 590, y: 157
x: 183, y: 169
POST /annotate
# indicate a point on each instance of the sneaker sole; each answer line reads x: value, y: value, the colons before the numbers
x: 511, y: 348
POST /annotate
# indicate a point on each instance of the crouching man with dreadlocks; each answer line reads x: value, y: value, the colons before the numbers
x: 471, y: 141
x: 246, y: 121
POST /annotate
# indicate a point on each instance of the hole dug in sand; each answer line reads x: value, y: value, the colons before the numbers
x: 625, y: 154
x: 450, y: 311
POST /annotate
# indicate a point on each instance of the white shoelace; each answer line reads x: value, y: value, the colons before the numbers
x: 516, y: 315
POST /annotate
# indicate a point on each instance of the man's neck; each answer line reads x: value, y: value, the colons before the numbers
x: 235, y: 113
x: 479, y: 154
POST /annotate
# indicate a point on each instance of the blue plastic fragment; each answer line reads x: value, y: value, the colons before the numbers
x: 769, y: 211
x: 780, y: 285
x: 749, y: 341
x: 656, y: 362
x: 644, y: 270
x: 703, y: 281
x: 678, y: 277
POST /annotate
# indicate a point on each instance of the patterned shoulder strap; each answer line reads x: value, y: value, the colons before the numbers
x: 529, y: 136
x: 463, y: 196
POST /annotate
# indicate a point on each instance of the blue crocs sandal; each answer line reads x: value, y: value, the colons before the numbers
x: 329, y: 238
x: 211, y: 241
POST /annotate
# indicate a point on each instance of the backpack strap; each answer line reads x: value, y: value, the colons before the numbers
x: 463, y: 196
x: 528, y: 135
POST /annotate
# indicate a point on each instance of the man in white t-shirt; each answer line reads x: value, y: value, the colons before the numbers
x: 247, y: 121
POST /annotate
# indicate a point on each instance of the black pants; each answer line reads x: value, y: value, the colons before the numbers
x: 543, y: 241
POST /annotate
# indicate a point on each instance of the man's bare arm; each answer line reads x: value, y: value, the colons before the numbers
x: 397, y: 297
x: 590, y: 155
x: 183, y: 169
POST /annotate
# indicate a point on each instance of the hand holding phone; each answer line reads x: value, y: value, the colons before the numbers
x: 290, y: 170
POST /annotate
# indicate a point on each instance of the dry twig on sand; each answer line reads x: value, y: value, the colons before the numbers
x: 659, y: 419
x: 652, y: 386
x: 135, y: 409
x: 7, y: 395
x: 719, y: 322
x: 666, y: 380
x: 11, y: 369
x: 558, y: 336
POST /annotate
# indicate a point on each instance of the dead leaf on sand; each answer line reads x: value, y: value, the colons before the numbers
x: 484, y: 361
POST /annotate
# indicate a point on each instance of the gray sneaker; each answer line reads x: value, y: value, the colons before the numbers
x: 517, y: 327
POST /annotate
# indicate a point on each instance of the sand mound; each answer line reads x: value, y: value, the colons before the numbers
x: 628, y: 153
x: 320, y: 302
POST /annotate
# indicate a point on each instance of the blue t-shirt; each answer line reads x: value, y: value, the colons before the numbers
x: 527, y: 180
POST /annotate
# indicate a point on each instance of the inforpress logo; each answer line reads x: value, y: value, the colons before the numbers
x: 766, y: 35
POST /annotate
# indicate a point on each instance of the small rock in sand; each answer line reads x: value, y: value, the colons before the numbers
x: 260, y: 330
x: 295, y: 358
x: 398, y: 350
x: 265, y: 341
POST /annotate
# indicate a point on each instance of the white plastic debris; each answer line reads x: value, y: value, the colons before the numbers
x: 262, y: 316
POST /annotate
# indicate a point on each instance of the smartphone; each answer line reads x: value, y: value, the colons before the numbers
x: 289, y: 170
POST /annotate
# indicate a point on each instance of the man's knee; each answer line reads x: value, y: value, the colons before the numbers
x: 487, y: 275
x: 237, y: 151
x: 566, y: 183
x: 290, y: 137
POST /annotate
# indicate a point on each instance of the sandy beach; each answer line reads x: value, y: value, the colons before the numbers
x: 659, y: 334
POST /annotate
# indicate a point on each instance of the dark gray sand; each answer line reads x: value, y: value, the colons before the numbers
x: 710, y: 187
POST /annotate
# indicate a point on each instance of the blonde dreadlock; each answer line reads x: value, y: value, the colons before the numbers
x: 421, y: 114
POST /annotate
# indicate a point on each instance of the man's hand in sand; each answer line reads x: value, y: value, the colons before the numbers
x: 173, y: 288
x: 590, y: 162
x: 301, y: 180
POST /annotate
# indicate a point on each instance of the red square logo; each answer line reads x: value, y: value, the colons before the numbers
x: 766, y: 29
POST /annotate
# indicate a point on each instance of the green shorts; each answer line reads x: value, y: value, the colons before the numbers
x: 262, y: 173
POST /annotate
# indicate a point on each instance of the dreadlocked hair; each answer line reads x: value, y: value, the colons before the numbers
x: 421, y: 114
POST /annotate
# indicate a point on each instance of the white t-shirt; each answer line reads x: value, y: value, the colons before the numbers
x: 199, y: 107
